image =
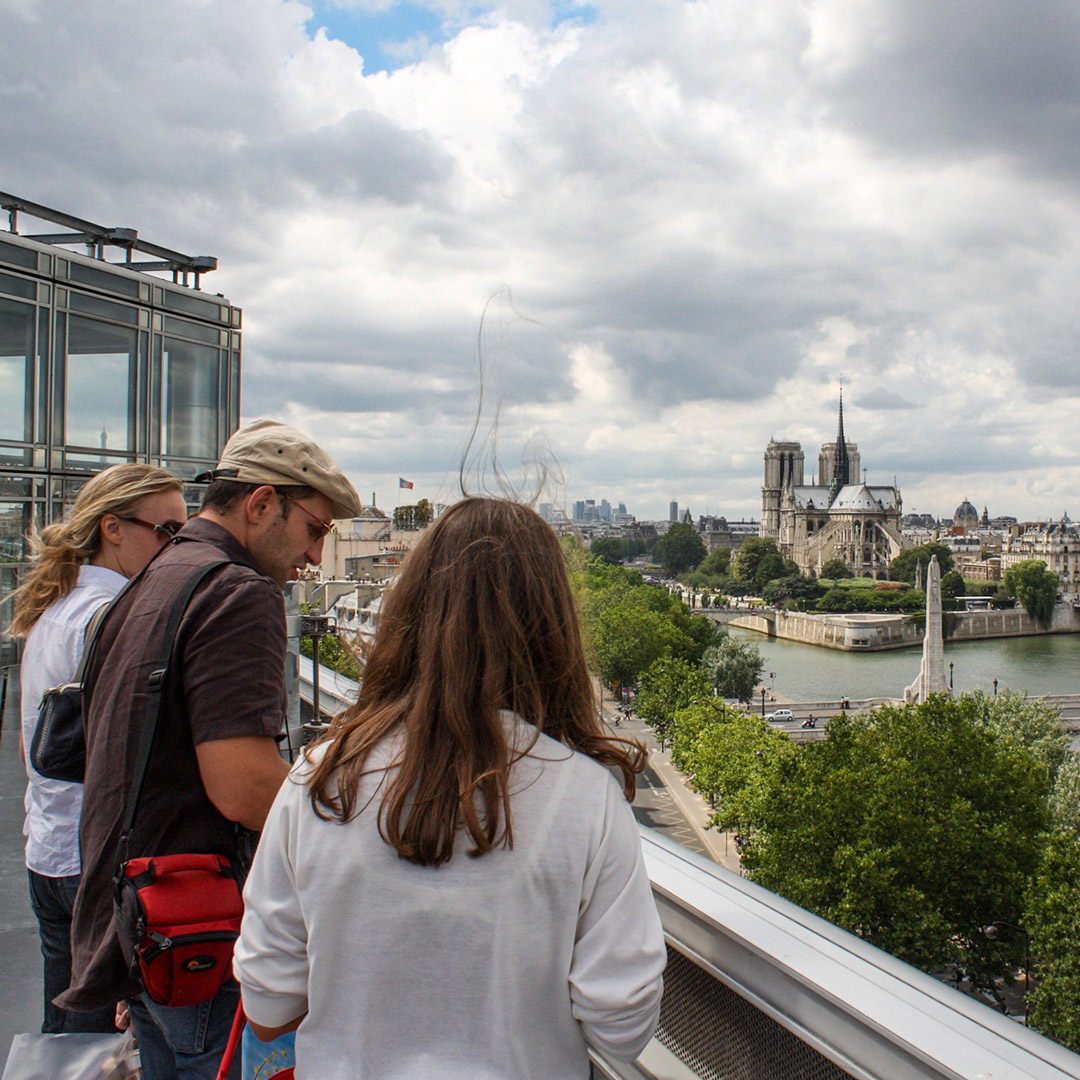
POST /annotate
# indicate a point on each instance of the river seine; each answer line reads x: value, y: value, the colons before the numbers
x: 1047, y: 664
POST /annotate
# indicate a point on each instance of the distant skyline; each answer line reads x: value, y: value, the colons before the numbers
x: 690, y: 220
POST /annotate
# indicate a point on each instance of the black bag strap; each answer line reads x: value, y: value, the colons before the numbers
x: 90, y: 640
x: 156, y: 685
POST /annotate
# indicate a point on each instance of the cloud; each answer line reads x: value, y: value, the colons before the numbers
x: 880, y: 398
x: 706, y: 214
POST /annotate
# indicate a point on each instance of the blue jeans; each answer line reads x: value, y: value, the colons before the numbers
x: 187, y: 1043
x: 53, y: 899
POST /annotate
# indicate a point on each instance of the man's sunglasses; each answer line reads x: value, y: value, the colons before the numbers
x: 321, y: 528
x: 165, y: 530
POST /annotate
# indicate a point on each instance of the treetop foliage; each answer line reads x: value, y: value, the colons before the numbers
x: 912, y: 827
x: 680, y: 549
x: 1035, y: 587
x: 903, y: 567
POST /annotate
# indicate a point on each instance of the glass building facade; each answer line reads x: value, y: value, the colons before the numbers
x: 98, y: 365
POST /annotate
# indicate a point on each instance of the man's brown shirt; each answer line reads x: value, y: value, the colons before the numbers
x: 226, y: 680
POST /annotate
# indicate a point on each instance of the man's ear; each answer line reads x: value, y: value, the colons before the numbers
x: 260, y: 504
x: 110, y: 529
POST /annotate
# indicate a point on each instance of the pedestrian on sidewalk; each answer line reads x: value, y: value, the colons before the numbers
x: 214, y: 767
x: 118, y: 522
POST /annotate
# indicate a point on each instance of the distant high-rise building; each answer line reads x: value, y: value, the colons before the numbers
x: 579, y: 510
x: 673, y: 511
x: 544, y: 510
x: 605, y: 510
x: 621, y: 509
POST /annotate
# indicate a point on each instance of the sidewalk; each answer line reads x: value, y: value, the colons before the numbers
x: 719, y: 846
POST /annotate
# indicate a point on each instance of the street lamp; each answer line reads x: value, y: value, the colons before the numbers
x: 763, y: 701
x: 995, y: 688
x: 950, y: 674
x: 991, y: 933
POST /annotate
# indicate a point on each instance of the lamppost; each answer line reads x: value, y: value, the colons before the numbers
x: 950, y: 675
x: 995, y: 688
x: 991, y: 934
x: 763, y: 701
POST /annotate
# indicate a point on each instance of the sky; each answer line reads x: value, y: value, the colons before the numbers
x: 664, y: 232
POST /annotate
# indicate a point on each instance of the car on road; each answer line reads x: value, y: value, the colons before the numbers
x: 780, y: 716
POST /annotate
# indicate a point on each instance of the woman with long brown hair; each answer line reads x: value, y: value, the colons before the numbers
x: 120, y: 519
x: 451, y: 884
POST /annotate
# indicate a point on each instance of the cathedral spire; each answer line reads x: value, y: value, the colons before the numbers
x: 841, y: 465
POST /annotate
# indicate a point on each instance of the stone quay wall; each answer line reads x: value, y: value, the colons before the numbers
x: 874, y: 633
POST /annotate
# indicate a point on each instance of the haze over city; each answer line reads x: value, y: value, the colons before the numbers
x: 694, y: 218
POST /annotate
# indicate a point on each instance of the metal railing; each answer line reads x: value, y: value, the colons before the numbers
x: 760, y: 989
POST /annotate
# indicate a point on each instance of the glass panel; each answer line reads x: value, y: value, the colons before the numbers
x: 209, y: 334
x: 17, y: 256
x: 14, y: 525
x: 91, y: 305
x: 103, y: 279
x: 16, y: 370
x: 190, y: 304
x: 100, y: 385
x: 189, y: 400
x: 18, y: 286
x: 92, y: 462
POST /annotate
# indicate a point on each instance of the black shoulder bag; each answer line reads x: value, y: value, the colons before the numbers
x: 58, y: 748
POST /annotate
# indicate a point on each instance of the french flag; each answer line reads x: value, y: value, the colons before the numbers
x: 404, y: 483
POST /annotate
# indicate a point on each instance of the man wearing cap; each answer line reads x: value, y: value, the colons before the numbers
x: 215, y: 768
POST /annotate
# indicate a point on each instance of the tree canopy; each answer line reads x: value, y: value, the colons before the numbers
x: 911, y: 827
x: 835, y: 569
x: 748, y: 558
x: 903, y: 567
x: 415, y: 516
x: 629, y: 624
x: 1035, y: 587
x: 680, y: 549
x: 733, y: 668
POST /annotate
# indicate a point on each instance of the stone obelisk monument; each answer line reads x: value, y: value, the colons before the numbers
x: 931, y: 678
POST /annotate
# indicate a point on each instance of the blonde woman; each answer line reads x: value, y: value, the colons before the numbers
x: 120, y: 519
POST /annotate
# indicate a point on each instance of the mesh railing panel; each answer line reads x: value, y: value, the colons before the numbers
x: 720, y: 1036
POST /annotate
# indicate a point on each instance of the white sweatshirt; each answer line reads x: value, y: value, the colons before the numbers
x: 495, y: 967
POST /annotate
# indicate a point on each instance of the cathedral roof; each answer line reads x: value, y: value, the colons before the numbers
x: 965, y: 510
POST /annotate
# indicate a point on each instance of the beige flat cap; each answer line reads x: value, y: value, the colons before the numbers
x: 269, y: 452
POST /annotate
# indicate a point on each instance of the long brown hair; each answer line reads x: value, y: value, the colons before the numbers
x: 62, y: 547
x: 481, y: 618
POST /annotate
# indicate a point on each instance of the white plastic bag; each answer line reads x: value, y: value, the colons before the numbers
x: 79, y: 1056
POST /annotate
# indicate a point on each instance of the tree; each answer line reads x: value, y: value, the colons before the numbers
x: 1031, y: 722
x: 1035, y: 587
x: 749, y: 556
x: 1065, y: 798
x: 835, y: 569
x: 1050, y: 919
x: 610, y: 549
x: 911, y: 827
x: 903, y: 567
x: 770, y: 566
x: 717, y: 563
x: 953, y: 585
x: 416, y: 516
x: 668, y: 686
x: 730, y: 754
x: 680, y: 549
x: 792, y: 587
x: 733, y: 668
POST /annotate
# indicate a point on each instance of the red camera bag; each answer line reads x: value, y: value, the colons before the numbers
x: 177, y: 917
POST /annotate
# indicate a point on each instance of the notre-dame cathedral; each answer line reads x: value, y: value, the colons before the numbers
x: 838, y: 517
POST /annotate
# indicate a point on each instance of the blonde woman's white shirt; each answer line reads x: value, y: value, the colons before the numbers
x: 51, y: 654
x: 503, y: 966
